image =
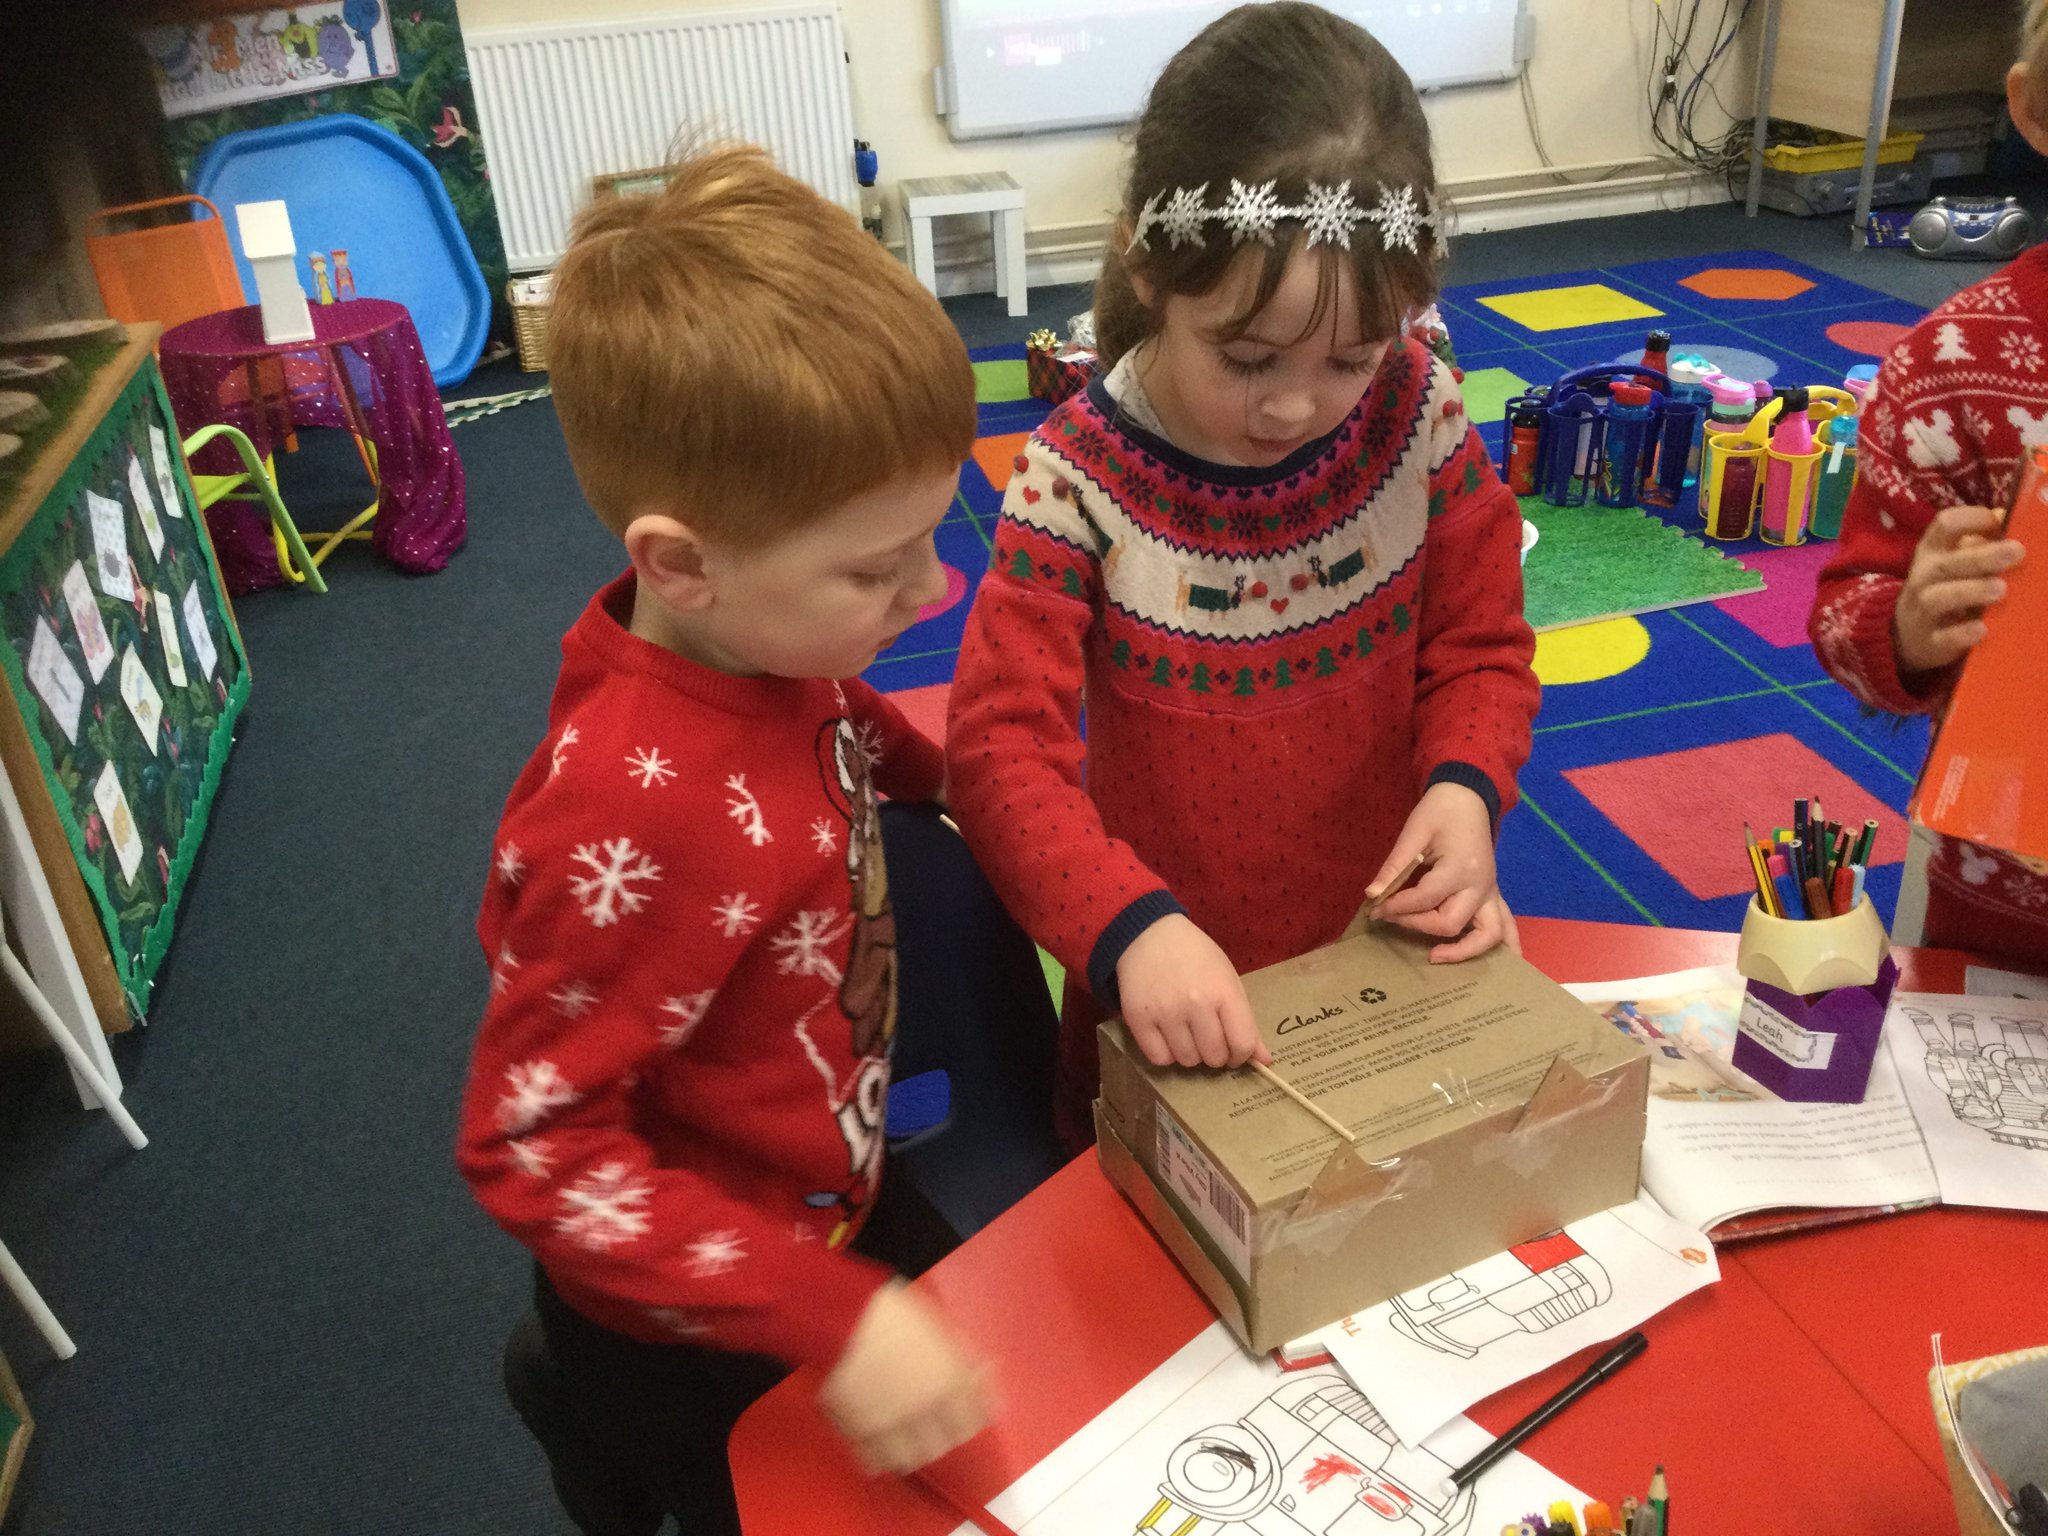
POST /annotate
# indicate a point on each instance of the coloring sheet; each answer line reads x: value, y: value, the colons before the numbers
x: 1976, y: 1073
x: 1215, y: 1443
x: 110, y: 542
x: 141, y: 697
x: 166, y: 482
x: 119, y: 821
x: 1983, y: 981
x: 1432, y: 1352
x: 145, y: 505
x: 85, y: 618
x: 1709, y: 1154
x: 196, y: 632
x: 167, y: 633
x: 53, y: 676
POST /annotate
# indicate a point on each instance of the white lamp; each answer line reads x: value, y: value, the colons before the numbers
x: 266, y: 230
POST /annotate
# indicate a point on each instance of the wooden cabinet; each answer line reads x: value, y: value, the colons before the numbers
x: 1845, y: 65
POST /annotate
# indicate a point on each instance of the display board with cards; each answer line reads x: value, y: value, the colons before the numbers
x: 125, y: 674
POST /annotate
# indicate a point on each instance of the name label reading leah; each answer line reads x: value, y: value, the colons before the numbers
x: 1795, y: 1044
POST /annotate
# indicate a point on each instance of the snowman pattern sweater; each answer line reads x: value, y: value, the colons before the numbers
x: 677, y: 1093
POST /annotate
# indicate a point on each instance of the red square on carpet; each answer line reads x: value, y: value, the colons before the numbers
x: 1686, y: 809
x: 1777, y: 615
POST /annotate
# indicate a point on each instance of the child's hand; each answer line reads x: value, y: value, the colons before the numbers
x: 1957, y: 572
x: 904, y: 1391
x: 1456, y: 893
x: 1183, y: 1001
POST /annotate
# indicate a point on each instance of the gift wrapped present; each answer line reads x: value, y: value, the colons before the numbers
x: 1055, y: 370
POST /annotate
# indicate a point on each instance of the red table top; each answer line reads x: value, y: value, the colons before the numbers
x: 1790, y: 1397
x: 239, y: 332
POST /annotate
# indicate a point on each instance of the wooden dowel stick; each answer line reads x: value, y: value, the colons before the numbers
x: 1303, y: 1100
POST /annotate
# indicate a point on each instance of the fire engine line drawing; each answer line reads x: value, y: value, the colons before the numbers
x: 1455, y: 1317
x: 1312, y: 1458
x: 1999, y: 1086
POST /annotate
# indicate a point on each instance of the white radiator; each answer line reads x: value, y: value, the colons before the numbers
x: 561, y: 104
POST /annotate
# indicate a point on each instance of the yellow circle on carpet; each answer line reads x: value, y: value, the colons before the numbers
x: 1585, y: 653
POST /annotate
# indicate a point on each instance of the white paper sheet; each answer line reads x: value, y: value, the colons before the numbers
x: 119, y: 821
x: 1711, y: 1153
x: 145, y: 505
x: 1246, y: 1449
x: 139, y: 693
x: 1433, y: 1351
x: 55, y: 679
x: 1976, y: 1073
x: 166, y: 482
x: 167, y: 636
x: 196, y: 632
x: 110, y: 546
x: 1984, y: 981
x: 85, y: 619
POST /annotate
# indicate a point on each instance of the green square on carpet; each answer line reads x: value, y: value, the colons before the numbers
x: 1604, y: 562
x: 1487, y: 392
x: 1006, y: 378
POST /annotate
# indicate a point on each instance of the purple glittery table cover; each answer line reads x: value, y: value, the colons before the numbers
x: 364, y: 365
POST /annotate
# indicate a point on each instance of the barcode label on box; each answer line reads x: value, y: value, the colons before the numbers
x: 1189, y: 1173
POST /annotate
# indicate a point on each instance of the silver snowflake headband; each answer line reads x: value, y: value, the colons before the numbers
x: 1327, y: 214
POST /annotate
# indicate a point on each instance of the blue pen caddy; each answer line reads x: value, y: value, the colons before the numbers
x: 1587, y: 449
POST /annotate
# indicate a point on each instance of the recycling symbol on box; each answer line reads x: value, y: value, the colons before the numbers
x: 1372, y: 995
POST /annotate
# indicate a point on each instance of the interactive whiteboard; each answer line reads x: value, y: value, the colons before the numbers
x: 1033, y: 66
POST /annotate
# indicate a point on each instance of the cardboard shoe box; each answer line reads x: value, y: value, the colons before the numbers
x: 1489, y: 1105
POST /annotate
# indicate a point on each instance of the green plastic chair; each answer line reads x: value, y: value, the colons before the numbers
x: 254, y: 484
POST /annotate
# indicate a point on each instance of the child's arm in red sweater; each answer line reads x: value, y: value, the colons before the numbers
x: 1898, y: 605
x: 549, y: 1139
x: 1475, y: 689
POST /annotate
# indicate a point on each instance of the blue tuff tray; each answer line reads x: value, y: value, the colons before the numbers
x: 353, y: 185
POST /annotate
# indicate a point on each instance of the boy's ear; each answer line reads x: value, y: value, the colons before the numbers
x: 2020, y: 91
x: 670, y: 560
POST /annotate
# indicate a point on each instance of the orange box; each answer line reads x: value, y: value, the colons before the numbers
x: 1986, y: 778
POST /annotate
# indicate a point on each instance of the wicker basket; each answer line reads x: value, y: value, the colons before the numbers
x: 530, y: 329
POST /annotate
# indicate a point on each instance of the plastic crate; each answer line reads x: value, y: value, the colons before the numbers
x: 1840, y: 154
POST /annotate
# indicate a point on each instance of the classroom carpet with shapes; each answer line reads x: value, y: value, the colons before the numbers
x: 1681, y: 698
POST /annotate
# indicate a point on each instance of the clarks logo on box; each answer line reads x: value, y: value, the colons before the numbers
x: 1294, y: 1021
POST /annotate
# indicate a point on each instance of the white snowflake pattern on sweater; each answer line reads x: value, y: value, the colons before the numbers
x: 648, y: 766
x: 746, y: 810
x: 537, y: 1088
x: 804, y: 948
x: 2020, y: 351
x: 737, y: 915
x: 604, y: 1208
x: 511, y: 867
x: 573, y: 999
x: 612, y: 889
x: 715, y: 1253
x: 569, y: 737
x: 532, y: 1156
x: 689, y: 1010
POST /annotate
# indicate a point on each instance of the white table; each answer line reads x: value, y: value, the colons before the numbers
x: 994, y: 193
